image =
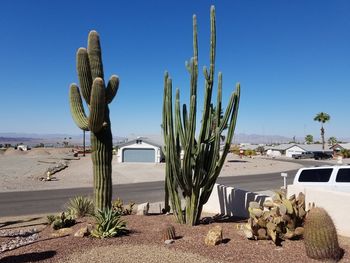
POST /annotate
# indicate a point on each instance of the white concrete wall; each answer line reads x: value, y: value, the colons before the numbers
x: 337, y: 204
x: 142, y: 145
x: 231, y: 201
x: 294, y: 150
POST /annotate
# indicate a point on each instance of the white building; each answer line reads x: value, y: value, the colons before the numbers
x: 288, y: 150
x: 140, y: 151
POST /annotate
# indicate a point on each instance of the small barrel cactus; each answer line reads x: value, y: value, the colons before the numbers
x: 320, y: 236
x: 169, y: 232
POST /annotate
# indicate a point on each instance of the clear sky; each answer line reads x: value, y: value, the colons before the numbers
x: 292, y: 59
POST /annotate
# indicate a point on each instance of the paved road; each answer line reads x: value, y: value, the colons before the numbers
x: 50, y: 201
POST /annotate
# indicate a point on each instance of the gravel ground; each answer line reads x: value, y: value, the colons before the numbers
x: 145, y: 244
x: 130, y: 253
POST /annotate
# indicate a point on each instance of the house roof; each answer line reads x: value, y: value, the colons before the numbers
x: 314, y: 147
x: 280, y: 147
x: 151, y: 142
x: 341, y: 146
x: 306, y: 147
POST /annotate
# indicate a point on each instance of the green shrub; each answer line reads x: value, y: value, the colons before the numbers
x: 63, y: 221
x: 119, y: 207
x: 234, y: 149
x: 108, y: 224
x: 345, y: 153
x: 80, y: 206
x: 50, y: 219
x: 249, y: 152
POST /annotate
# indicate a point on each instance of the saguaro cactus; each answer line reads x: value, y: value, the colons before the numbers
x: 97, y: 97
x: 195, y: 174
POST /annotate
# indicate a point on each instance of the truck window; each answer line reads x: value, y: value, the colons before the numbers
x: 315, y: 175
x: 343, y: 176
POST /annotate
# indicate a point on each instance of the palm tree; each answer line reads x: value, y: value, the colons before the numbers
x: 322, y: 117
x: 332, y: 140
x: 309, y: 139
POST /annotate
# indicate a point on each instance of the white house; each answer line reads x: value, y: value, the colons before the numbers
x: 288, y: 150
x: 140, y: 151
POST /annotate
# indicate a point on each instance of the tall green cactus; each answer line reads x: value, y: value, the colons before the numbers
x: 195, y: 174
x: 97, y: 97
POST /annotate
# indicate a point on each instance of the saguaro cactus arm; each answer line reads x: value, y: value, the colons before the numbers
x: 112, y: 88
x: 77, y: 108
x: 84, y: 73
x: 95, y: 55
x: 97, y: 105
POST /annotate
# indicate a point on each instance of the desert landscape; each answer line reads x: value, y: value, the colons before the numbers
x: 143, y: 243
x: 25, y: 170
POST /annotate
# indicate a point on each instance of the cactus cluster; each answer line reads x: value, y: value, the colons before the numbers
x: 194, y: 173
x: 62, y: 221
x: 278, y: 219
x: 168, y: 232
x: 97, y: 97
x: 320, y: 236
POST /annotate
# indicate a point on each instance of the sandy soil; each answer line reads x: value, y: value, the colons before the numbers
x: 20, y: 171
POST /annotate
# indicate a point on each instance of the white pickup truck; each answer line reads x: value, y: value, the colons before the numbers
x: 331, y: 177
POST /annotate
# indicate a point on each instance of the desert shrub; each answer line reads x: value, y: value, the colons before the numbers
x: 50, y: 219
x: 234, y: 149
x: 119, y: 207
x: 80, y: 206
x: 63, y: 221
x: 108, y: 224
x: 345, y: 153
x: 260, y: 150
x: 249, y: 152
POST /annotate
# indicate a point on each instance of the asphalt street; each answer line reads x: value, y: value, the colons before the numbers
x: 50, y: 201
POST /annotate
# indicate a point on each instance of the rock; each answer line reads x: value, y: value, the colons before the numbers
x: 169, y: 241
x: 82, y: 232
x: 214, y: 236
x: 62, y: 232
x: 142, y: 209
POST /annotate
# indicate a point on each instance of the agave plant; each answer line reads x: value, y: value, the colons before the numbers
x: 108, y: 224
x: 80, y: 206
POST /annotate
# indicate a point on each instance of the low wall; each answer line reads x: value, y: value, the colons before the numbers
x: 337, y: 204
x: 231, y: 201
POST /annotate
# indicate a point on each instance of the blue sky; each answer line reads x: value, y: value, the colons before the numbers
x: 292, y: 59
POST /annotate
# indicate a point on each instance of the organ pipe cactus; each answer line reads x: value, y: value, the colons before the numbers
x: 97, y: 97
x: 195, y: 174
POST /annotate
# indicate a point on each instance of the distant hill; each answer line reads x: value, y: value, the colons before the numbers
x: 33, y: 139
x: 258, y: 138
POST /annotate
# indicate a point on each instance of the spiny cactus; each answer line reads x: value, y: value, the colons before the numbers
x: 195, y: 174
x: 169, y: 232
x: 320, y: 236
x: 97, y: 97
x: 278, y: 219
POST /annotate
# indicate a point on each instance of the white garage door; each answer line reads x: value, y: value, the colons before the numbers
x: 139, y: 155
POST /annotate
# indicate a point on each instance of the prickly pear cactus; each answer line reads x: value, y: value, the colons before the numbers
x: 278, y: 219
x: 320, y: 236
x: 97, y: 97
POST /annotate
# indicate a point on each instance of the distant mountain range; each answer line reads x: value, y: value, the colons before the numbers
x: 33, y: 139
